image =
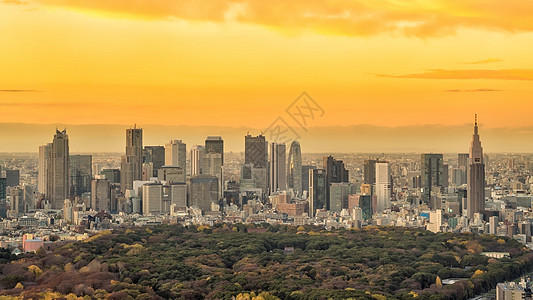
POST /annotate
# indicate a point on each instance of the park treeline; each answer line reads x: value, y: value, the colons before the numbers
x: 237, y: 261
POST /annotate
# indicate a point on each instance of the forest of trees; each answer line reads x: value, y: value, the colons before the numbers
x: 271, y: 262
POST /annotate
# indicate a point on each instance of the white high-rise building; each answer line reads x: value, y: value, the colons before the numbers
x: 175, y: 154
x: 44, y: 151
x: 152, y: 198
x: 197, y: 160
x: 383, y: 186
x: 278, y: 169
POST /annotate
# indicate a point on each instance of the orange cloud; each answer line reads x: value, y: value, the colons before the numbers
x: 343, y: 17
x: 472, y: 91
x: 484, y: 61
x: 509, y: 74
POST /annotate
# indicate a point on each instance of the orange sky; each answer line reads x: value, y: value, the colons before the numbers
x: 242, y: 63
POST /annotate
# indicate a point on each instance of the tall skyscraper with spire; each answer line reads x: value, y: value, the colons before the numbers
x: 58, y: 170
x: 476, y: 176
x: 131, y: 163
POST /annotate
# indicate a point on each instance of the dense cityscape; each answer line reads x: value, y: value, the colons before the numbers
x: 57, y: 197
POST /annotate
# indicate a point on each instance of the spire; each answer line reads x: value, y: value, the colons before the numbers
x: 475, y: 125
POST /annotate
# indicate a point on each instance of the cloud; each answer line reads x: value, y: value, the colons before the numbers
x: 342, y: 17
x: 472, y: 91
x: 505, y: 74
x: 14, y: 2
x: 485, y: 61
x: 18, y: 91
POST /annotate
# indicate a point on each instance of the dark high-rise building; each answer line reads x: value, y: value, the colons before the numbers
x: 255, y: 151
x: 3, y: 187
x: 101, y: 195
x: 365, y: 203
x: 432, y: 174
x: 58, y: 170
x: 131, y: 163
x: 462, y: 160
x: 278, y: 169
x: 335, y: 172
x: 476, y: 176
x: 154, y: 155
x: 203, y: 191
x: 305, y: 177
x: 369, y: 171
x: 12, y: 178
x: 294, y: 168
x: 215, y: 144
x: 113, y: 175
x: 80, y: 174
x: 317, y: 190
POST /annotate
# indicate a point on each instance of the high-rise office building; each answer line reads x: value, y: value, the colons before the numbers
x: 131, y: 163
x: 215, y: 144
x: 214, y: 159
x: 44, y: 152
x: 335, y: 172
x: 197, y: 160
x: 476, y: 176
x: 113, y: 175
x: 317, y: 190
x: 101, y: 195
x: 383, y: 186
x: 338, y: 197
x: 294, y: 168
x: 278, y: 169
x: 152, y: 198
x: 432, y: 174
x: 462, y: 162
x: 3, y: 196
x: 12, y: 178
x: 203, y: 191
x: 255, y: 151
x: 305, y: 177
x: 58, y: 170
x: 175, y: 154
x: 369, y: 171
x: 80, y: 174
x: 156, y: 156
x: 172, y: 174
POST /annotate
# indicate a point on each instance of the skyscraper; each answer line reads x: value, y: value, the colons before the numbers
x: 3, y: 194
x: 317, y: 190
x: 197, y: 159
x: 215, y: 144
x: 294, y: 168
x: 101, y: 194
x: 335, y: 172
x: 383, y: 186
x: 175, y: 154
x: 214, y: 159
x: 131, y: 163
x: 278, y: 170
x: 305, y: 177
x: 369, y: 171
x: 255, y: 151
x: 156, y: 156
x: 432, y: 174
x: 80, y: 174
x: 58, y: 170
x: 462, y: 161
x: 476, y: 176
x: 44, y: 152
x: 203, y: 191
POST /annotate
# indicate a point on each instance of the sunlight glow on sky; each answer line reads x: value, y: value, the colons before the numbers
x: 241, y: 63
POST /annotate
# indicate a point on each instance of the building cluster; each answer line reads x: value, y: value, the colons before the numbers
x: 268, y: 182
